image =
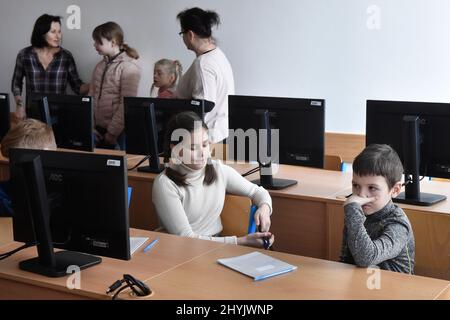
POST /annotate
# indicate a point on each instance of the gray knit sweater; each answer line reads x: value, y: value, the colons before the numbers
x: 384, y: 239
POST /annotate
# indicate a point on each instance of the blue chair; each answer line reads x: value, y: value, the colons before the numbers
x: 251, y: 220
x: 130, y: 190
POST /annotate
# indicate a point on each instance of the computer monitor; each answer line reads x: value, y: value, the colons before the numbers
x: 420, y: 133
x: 87, y: 199
x: 71, y: 118
x: 300, y: 124
x: 4, y: 115
x: 146, y: 121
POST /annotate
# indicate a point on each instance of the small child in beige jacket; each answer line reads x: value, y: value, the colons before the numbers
x: 115, y: 77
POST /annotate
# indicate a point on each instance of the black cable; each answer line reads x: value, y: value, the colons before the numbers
x: 251, y: 171
x: 119, y: 291
x: 410, y: 181
x: 139, y: 163
x: 28, y: 245
x: 138, y: 287
x: 10, y: 253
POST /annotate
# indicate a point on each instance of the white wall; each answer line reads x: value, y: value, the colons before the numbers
x: 292, y: 48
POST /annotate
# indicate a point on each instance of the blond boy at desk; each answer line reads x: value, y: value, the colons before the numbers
x: 376, y: 231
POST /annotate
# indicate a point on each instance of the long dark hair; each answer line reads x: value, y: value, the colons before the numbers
x: 42, y: 25
x: 186, y: 121
x: 199, y: 21
x: 111, y: 30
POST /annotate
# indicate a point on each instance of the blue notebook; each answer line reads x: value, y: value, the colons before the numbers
x: 257, y: 265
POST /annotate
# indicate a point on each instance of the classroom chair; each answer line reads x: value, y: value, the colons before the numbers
x: 235, y: 215
x: 333, y: 162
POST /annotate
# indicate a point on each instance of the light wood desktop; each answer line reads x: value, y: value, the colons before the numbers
x: 184, y: 268
x: 170, y: 252
x: 308, y: 217
x: 204, y: 278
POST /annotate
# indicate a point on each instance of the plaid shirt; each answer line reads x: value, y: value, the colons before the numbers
x: 54, y: 80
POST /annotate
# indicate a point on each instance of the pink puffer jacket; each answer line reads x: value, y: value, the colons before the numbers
x: 121, y: 79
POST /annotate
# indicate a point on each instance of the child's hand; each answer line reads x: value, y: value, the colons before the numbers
x: 256, y: 239
x: 262, y: 218
x: 359, y: 200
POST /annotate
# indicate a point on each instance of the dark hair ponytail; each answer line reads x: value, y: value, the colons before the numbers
x: 198, y: 21
x: 186, y: 121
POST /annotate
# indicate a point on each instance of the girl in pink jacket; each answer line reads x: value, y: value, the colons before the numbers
x: 115, y: 77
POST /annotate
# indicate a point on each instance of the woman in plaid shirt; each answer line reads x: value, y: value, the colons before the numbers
x: 46, y: 66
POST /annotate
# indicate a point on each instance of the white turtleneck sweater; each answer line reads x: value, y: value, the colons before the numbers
x: 194, y: 211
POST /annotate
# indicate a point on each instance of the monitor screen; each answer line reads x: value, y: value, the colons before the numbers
x: 384, y: 125
x: 87, y: 196
x: 301, y: 125
x: 4, y: 115
x: 137, y: 125
x: 71, y: 118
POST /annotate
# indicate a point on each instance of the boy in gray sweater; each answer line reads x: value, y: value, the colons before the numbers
x: 376, y: 231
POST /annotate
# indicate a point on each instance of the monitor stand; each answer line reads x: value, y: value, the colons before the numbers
x: 411, y: 163
x: 268, y: 182
x: 61, y: 262
x: 424, y: 199
x: 266, y: 179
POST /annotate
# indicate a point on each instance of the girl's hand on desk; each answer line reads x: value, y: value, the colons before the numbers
x: 256, y: 239
x: 262, y: 218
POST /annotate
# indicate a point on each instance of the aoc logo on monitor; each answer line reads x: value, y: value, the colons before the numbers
x: 56, y: 177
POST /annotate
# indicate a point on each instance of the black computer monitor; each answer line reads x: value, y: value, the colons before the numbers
x: 301, y: 125
x: 4, y: 115
x: 420, y: 134
x: 146, y: 121
x: 87, y: 199
x: 71, y: 118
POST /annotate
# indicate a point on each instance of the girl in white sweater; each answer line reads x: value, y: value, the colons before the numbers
x: 189, y: 195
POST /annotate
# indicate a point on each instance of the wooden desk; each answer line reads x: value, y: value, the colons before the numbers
x: 184, y: 268
x: 308, y: 217
x: 445, y: 295
x: 204, y: 278
x: 171, y: 251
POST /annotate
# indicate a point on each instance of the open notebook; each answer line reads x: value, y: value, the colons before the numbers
x: 136, y: 243
x: 257, y: 265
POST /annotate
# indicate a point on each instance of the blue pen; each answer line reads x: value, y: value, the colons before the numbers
x: 151, y: 244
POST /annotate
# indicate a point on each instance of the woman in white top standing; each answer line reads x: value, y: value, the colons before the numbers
x: 189, y: 194
x: 210, y: 76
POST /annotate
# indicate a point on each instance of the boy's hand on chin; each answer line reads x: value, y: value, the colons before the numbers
x: 359, y: 200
